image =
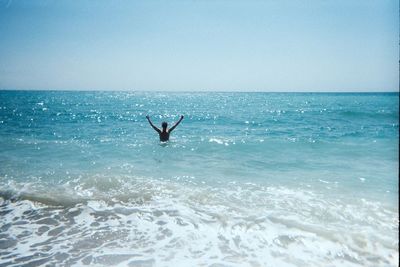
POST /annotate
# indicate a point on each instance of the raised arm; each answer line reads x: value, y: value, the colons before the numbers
x: 152, y: 125
x: 176, y: 124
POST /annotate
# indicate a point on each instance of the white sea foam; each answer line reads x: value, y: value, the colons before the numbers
x: 130, y: 221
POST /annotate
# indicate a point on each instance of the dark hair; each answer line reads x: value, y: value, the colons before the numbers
x: 164, y: 124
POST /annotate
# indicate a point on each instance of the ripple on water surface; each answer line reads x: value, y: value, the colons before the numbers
x: 248, y: 179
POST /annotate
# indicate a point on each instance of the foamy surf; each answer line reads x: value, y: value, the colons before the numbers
x: 164, y: 223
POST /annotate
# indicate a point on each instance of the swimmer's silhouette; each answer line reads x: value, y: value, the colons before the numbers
x: 164, y: 133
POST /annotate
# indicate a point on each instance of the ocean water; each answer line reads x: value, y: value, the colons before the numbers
x: 247, y: 179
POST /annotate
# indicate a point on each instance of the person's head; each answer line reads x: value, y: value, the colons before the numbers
x: 164, y: 125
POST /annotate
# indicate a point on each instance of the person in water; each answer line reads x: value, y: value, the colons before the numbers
x: 164, y: 133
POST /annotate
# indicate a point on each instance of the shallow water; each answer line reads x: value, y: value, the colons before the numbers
x: 248, y: 179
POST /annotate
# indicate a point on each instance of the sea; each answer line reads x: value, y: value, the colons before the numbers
x: 247, y: 179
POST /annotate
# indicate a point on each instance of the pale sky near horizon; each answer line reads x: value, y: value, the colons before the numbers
x: 343, y: 45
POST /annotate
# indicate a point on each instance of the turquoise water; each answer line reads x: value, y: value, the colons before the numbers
x: 247, y: 179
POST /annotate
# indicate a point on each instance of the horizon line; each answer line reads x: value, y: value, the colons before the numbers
x: 193, y: 91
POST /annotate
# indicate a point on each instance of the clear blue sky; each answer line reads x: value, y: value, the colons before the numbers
x: 342, y: 45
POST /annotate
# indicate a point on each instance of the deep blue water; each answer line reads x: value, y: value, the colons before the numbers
x: 313, y: 173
